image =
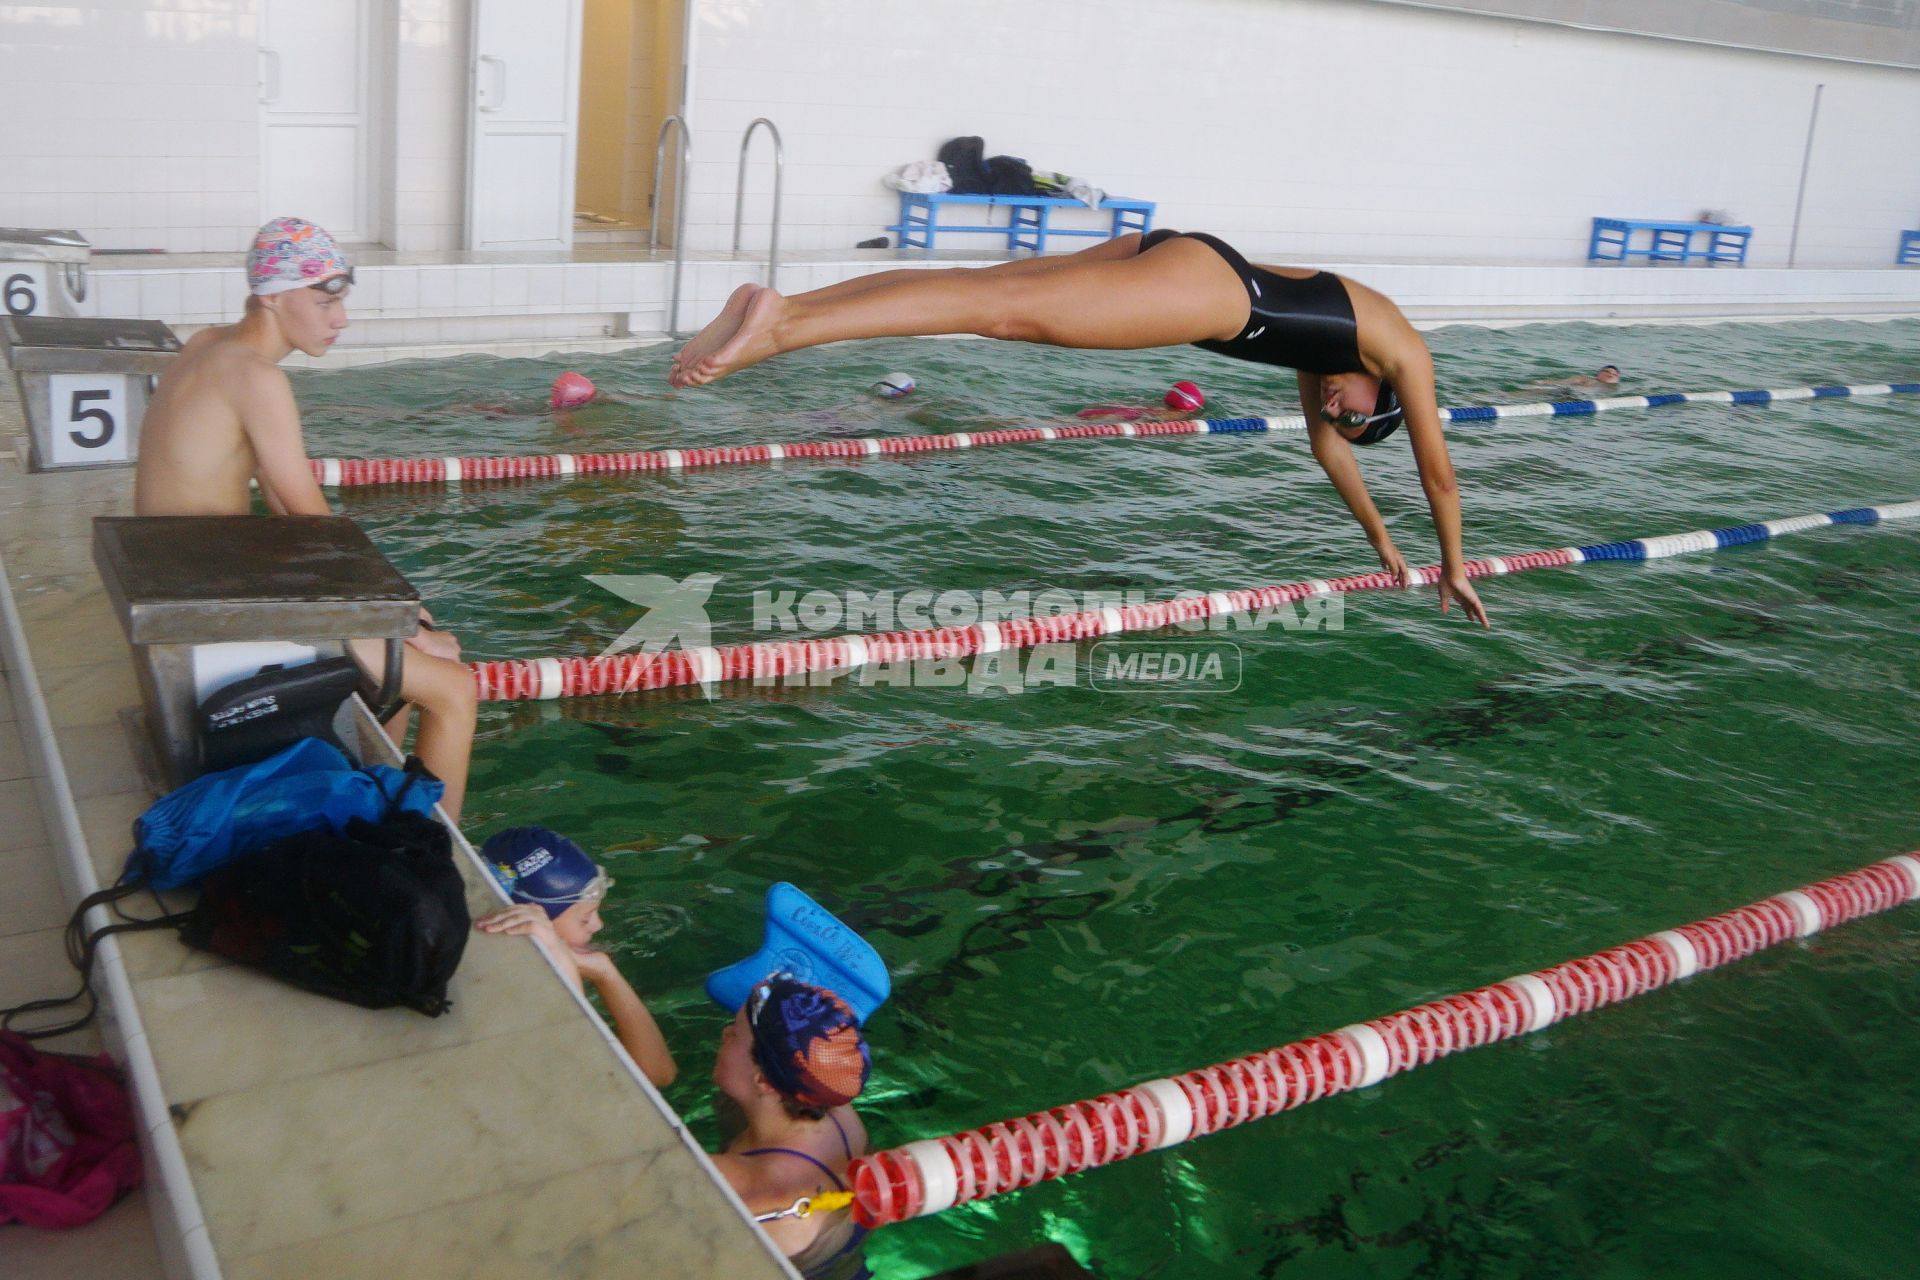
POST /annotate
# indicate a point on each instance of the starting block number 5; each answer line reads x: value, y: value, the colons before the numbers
x: 23, y: 289
x: 89, y: 418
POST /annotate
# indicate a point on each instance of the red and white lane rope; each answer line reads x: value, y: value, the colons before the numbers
x: 524, y: 679
x: 347, y: 473
x: 936, y: 1174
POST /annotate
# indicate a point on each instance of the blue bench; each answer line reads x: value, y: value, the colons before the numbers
x: 1029, y: 218
x: 1909, y: 249
x: 1612, y: 241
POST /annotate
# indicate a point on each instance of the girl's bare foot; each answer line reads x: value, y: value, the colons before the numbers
x: 709, y: 339
x: 750, y: 343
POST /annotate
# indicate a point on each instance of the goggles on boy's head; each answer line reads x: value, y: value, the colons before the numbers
x: 593, y: 891
x: 334, y: 286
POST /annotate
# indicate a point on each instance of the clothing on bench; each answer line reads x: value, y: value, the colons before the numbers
x: 1909, y: 249
x: 1029, y: 218
x: 1612, y: 238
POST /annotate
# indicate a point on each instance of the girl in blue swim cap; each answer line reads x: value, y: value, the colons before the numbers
x: 557, y: 890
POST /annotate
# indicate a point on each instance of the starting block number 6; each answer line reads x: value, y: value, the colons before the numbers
x: 89, y: 418
x: 23, y: 289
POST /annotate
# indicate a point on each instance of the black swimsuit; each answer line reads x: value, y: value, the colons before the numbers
x: 1298, y: 324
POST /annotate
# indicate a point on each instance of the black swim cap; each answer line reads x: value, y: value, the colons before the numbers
x: 1386, y: 417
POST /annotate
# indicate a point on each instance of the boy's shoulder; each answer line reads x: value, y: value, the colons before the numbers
x: 242, y: 372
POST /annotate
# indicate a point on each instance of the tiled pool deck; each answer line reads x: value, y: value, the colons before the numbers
x: 286, y: 1134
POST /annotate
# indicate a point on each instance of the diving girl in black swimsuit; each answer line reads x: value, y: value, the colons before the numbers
x: 1362, y: 368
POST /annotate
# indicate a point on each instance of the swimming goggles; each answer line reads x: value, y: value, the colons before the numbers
x: 594, y: 890
x: 1355, y: 418
x: 334, y: 286
x: 761, y: 993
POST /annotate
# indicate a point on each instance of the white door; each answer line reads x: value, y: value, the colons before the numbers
x: 313, y: 94
x: 525, y: 110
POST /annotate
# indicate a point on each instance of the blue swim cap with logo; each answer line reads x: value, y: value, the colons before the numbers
x: 537, y: 865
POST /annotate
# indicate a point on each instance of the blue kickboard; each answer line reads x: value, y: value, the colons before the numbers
x: 810, y: 943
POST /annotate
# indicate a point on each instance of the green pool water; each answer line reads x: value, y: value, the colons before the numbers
x: 1077, y: 889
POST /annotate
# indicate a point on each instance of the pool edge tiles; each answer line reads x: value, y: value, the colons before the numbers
x: 284, y: 1133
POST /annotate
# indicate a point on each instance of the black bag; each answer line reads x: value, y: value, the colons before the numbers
x: 965, y: 159
x: 251, y: 719
x: 376, y: 917
x: 1010, y: 176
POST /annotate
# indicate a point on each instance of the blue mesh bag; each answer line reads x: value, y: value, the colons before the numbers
x: 204, y: 825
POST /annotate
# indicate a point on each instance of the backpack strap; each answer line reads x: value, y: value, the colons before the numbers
x: 82, y: 947
x: 413, y: 769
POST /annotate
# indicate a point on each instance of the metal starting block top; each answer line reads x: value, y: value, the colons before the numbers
x: 209, y: 579
x: 66, y: 345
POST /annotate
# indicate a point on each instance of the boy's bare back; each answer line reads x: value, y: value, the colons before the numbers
x: 222, y: 415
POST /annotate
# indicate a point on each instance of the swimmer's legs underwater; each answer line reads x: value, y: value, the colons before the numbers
x: 1110, y: 297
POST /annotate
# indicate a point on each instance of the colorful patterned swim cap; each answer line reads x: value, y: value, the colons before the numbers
x: 807, y: 1043
x: 291, y: 253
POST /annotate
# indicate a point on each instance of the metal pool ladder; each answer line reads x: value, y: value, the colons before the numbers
x: 680, y: 210
x: 740, y: 192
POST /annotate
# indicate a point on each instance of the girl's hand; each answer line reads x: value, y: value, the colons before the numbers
x: 597, y: 966
x: 524, y: 919
x: 1454, y: 586
x: 1391, y: 560
x: 437, y: 644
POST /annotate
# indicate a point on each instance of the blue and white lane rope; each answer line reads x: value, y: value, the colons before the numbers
x: 522, y: 679
x: 1586, y: 408
x: 346, y: 473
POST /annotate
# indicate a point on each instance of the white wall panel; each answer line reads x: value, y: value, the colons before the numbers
x: 147, y: 107
x: 1307, y: 129
x: 1312, y: 130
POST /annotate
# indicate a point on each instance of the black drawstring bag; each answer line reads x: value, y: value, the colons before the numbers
x: 376, y: 916
x: 1010, y: 176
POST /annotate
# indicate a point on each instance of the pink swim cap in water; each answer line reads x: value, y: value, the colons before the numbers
x: 571, y: 390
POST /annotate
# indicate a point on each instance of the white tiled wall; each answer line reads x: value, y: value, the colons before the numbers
x: 428, y: 146
x: 1307, y: 129
x: 137, y: 122
x: 133, y: 121
x: 1314, y: 130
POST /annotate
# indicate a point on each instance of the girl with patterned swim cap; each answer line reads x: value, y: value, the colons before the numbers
x: 793, y: 1061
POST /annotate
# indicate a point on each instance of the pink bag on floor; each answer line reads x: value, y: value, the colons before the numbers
x: 66, y: 1136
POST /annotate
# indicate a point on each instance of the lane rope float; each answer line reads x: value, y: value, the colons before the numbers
x: 935, y: 1174
x: 347, y: 473
x: 526, y: 679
